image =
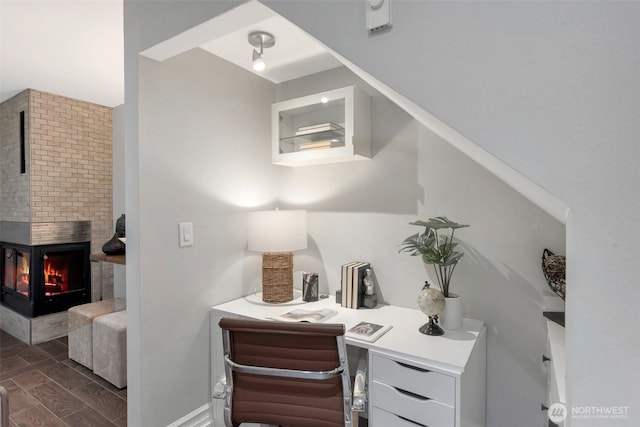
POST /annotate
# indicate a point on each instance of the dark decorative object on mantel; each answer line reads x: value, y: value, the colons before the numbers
x: 121, y: 227
x: 115, y: 246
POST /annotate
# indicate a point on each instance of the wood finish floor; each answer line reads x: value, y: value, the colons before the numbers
x: 47, y: 389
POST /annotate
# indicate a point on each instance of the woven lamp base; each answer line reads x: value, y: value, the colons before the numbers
x: 277, y: 276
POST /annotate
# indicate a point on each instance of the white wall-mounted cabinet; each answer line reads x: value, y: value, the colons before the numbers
x: 327, y: 127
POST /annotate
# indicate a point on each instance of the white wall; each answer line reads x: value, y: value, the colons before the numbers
x: 204, y: 159
x: 362, y: 210
x: 551, y: 88
x: 204, y: 146
x: 164, y: 19
x: 348, y: 201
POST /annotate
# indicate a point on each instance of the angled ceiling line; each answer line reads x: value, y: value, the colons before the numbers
x: 250, y: 14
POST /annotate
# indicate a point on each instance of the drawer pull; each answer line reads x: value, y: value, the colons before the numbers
x: 410, y: 421
x: 408, y: 393
x: 415, y: 368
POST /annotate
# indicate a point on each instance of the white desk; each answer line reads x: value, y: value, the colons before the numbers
x: 445, y: 375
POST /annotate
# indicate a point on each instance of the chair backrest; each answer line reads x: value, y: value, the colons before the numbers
x: 289, y: 374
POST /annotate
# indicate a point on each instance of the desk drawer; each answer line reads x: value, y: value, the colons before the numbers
x: 381, y: 418
x: 433, y: 385
x: 418, y: 409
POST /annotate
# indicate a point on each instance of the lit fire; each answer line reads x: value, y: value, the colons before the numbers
x: 22, y: 282
x: 55, y: 279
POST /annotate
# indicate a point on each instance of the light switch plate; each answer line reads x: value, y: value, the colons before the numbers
x: 185, y: 234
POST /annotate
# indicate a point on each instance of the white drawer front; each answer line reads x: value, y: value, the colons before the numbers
x: 433, y: 385
x: 552, y: 385
x: 424, y: 411
x: 382, y: 418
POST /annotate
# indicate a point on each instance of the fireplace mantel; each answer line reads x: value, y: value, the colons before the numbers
x: 114, y: 259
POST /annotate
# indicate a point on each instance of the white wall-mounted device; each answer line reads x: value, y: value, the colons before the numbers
x: 378, y: 15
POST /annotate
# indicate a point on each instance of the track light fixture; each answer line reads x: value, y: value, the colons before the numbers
x: 261, y: 40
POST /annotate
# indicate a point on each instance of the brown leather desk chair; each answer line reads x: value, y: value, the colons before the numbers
x: 287, y: 374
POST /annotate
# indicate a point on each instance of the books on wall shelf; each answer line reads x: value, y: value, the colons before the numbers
x: 301, y: 315
x: 320, y: 127
x: 367, y: 331
x: 352, y: 283
x: 319, y: 145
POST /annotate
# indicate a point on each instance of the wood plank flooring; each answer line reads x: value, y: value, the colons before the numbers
x: 47, y: 389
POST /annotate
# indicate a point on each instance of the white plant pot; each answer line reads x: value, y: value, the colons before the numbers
x: 451, y: 317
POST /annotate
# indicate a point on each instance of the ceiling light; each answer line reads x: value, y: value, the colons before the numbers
x: 257, y: 62
x: 261, y: 40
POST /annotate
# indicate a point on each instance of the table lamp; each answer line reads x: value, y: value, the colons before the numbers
x: 276, y: 233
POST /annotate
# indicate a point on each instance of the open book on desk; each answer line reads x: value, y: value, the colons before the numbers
x: 367, y: 331
x: 301, y: 315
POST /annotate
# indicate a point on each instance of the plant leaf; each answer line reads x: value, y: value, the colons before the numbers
x: 452, y: 258
x: 439, y: 222
x: 417, y: 243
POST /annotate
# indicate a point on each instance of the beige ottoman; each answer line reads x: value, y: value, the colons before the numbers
x: 110, y: 348
x: 80, y: 319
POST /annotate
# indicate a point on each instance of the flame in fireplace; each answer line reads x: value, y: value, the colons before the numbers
x: 55, y: 278
x: 22, y: 274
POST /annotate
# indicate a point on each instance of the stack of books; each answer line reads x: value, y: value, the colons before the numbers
x: 318, y: 145
x: 352, y: 283
x: 320, y: 127
x: 321, y: 141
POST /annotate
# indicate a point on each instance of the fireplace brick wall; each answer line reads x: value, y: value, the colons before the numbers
x: 68, y: 173
x: 14, y: 187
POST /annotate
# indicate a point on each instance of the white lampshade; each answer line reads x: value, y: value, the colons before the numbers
x: 277, y: 230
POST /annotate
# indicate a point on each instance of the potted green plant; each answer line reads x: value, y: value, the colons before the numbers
x: 437, y: 247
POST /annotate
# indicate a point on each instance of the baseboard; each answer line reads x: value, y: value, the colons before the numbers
x: 201, y: 417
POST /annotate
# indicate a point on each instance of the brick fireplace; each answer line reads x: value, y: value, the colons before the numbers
x: 55, y: 179
x: 42, y: 279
